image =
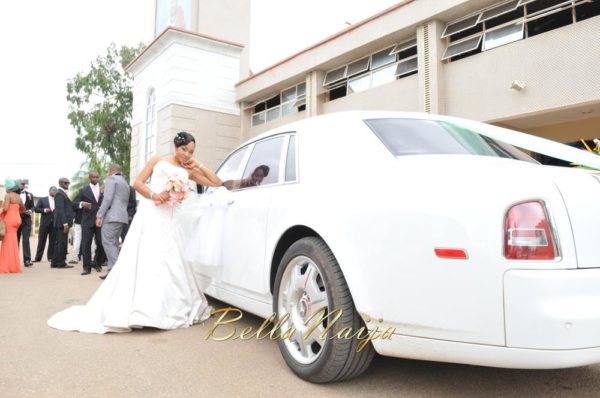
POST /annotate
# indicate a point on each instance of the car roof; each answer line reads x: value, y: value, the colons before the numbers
x: 338, y: 117
x: 522, y: 140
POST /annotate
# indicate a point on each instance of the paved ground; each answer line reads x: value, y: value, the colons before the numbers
x: 37, y: 361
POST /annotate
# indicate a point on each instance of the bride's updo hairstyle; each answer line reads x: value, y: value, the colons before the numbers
x: 183, y: 138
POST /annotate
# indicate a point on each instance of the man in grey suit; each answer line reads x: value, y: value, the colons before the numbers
x: 112, y: 215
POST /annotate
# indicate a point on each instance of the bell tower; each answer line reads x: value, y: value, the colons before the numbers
x: 227, y: 20
x: 185, y: 79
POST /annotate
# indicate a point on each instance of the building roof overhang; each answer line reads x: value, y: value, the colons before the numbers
x: 169, y: 35
x: 378, y: 31
x: 297, y: 65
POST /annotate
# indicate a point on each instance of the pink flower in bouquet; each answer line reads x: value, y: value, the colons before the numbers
x: 178, y: 188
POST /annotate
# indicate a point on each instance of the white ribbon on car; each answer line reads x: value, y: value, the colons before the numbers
x: 201, y: 224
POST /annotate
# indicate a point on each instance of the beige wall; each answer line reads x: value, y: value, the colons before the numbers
x: 398, y: 95
x: 359, y: 39
x: 227, y: 20
x: 586, y: 129
x: 216, y: 133
x: 560, y: 68
x: 430, y: 49
x: 254, y: 131
x: 164, y: 127
x: 316, y: 95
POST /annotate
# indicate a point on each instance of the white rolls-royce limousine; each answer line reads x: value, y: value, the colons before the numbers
x: 414, y: 236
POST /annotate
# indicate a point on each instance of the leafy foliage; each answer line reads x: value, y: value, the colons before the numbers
x: 100, y: 106
x: 595, y: 150
x: 80, y: 178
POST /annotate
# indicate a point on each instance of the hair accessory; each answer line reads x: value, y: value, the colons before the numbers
x: 179, y: 139
x: 11, y: 185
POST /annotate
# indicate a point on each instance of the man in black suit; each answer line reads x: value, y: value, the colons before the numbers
x: 89, y: 199
x: 45, y: 206
x: 24, y: 230
x: 63, y: 220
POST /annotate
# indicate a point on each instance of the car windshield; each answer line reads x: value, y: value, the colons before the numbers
x: 427, y: 137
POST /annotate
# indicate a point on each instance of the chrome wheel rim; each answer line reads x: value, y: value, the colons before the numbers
x: 303, y: 293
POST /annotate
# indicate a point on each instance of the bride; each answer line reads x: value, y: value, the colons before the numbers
x: 150, y: 284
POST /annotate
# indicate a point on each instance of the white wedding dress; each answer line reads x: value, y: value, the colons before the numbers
x: 151, y: 283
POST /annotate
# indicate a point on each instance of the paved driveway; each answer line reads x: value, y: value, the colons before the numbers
x: 37, y: 361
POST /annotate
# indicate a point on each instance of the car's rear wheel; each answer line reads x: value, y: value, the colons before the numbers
x: 310, y: 280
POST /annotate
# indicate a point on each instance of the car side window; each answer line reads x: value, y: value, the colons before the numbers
x: 230, y: 169
x: 263, y: 165
x: 290, y: 163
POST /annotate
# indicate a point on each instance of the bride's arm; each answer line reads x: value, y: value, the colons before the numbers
x: 202, y: 174
x: 140, y: 181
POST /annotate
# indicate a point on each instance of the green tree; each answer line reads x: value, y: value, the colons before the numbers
x: 100, y: 105
x: 80, y: 178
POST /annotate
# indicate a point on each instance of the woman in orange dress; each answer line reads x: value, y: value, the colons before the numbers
x: 11, y: 214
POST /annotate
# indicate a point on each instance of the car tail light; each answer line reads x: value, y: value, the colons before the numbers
x: 528, y: 233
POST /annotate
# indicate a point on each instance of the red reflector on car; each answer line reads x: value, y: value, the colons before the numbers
x: 451, y: 253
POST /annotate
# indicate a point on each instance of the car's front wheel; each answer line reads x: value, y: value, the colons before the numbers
x: 309, y: 286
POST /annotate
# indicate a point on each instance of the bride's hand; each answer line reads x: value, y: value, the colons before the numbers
x: 191, y: 164
x: 160, y: 198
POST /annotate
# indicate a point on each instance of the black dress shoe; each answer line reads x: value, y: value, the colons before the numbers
x: 36, y: 261
x: 61, y: 266
x: 103, y: 277
x: 97, y: 268
x: 28, y: 263
x: 86, y: 272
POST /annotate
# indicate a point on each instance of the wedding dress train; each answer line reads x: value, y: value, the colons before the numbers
x: 151, y: 283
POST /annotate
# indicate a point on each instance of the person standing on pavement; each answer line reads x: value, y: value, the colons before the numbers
x: 76, y: 235
x: 112, y: 215
x: 89, y: 199
x: 24, y: 230
x: 45, y: 206
x: 10, y: 211
x: 63, y: 220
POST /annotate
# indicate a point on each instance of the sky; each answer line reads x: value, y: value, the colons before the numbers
x: 46, y: 43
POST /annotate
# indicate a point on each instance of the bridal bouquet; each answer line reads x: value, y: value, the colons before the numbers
x: 178, y: 188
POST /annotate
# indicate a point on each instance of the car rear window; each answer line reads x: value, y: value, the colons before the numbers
x: 427, y: 137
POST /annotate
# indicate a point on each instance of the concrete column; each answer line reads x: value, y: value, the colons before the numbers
x: 430, y: 48
x: 315, y: 93
x: 246, y: 121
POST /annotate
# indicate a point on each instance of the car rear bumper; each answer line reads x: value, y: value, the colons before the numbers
x: 484, y: 355
x: 552, y: 320
x: 552, y: 309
